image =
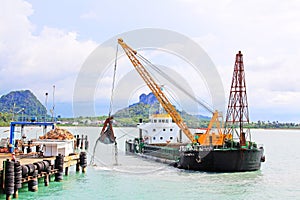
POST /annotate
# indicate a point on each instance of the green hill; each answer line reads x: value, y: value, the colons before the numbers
x: 148, y: 105
x: 130, y: 116
x: 21, y: 103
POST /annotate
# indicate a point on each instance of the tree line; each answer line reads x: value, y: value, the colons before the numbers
x: 131, y: 121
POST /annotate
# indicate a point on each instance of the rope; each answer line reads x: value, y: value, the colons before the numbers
x: 122, y: 136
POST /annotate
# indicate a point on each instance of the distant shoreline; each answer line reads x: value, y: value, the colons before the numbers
x: 100, y: 126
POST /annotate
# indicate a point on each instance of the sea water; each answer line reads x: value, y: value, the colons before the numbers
x: 129, y: 177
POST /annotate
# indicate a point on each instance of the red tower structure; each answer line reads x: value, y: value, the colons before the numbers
x: 237, y: 111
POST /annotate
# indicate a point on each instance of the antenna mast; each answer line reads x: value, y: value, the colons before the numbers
x: 53, y: 105
x: 46, y: 99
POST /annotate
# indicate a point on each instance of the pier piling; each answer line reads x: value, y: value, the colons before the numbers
x: 83, y: 161
x: 46, y: 180
x: 86, y: 143
x: 14, y: 174
x: 78, y: 166
x: 9, y: 178
x: 18, y: 178
x: 59, y: 164
x: 33, y: 182
x: 67, y: 171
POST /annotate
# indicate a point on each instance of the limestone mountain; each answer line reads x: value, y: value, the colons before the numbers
x: 148, y: 105
x: 22, y: 102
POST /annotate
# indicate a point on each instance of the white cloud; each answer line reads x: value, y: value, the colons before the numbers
x: 89, y: 15
x: 38, y: 61
x: 267, y: 33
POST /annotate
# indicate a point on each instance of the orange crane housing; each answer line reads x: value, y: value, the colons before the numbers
x: 208, y: 138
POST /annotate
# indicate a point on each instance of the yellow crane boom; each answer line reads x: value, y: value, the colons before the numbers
x: 155, y: 88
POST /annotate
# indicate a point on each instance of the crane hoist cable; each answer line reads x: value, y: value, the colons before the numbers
x: 107, y: 134
x: 113, y: 83
x: 166, y: 76
x: 155, y: 68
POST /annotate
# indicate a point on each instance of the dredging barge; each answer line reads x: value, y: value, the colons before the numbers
x: 218, y: 149
x: 230, y: 157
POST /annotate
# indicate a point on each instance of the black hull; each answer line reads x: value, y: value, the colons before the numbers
x: 207, y: 159
x: 222, y: 160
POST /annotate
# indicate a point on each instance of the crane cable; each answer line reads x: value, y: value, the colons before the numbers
x: 109, y: 113
x: 111, y: 103
x: 166, y: 76
x: 113, y: 83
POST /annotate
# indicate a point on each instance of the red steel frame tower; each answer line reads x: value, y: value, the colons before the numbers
x: 237, y: 111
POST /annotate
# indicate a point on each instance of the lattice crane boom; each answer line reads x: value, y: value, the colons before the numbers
x: 155, y: 88
x: 237, y: 112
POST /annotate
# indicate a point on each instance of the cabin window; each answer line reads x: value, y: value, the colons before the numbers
x: 155, y: 121
x: 154, y: 130
x: 167, y: 121
x: 164, y: 129
x: 154, y: 138
x: 159, y: 121
x: 171, y: 138
x: 161, y: 138
x: 163, y: 121
x: 171, y: 129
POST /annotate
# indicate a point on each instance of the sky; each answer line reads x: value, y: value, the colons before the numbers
x: 45, y: 43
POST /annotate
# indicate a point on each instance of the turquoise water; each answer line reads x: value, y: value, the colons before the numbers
x: 135, y: 178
